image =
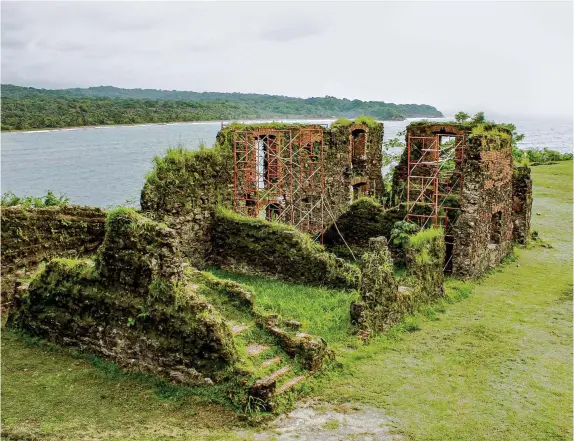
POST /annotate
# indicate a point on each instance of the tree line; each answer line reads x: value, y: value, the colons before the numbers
x: 25, y: 108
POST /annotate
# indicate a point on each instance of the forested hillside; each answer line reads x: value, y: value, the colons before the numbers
x: 29, y: 108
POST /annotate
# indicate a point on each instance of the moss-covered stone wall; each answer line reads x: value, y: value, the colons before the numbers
x: 255, y: 246
x: 385, y: 299
x: 133, y: 306
x: 482, y: 227
x: 184, y: 187
x: 522, y: 204
x: 33, y: 235
x: 362, y: 141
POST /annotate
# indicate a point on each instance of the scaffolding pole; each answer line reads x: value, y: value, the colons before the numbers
x: 279, y: 175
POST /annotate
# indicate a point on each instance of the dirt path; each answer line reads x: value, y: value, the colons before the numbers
x: 315, y: 421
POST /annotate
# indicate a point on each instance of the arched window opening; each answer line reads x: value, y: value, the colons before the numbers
x: 496, y: 228
x: 359, y: 139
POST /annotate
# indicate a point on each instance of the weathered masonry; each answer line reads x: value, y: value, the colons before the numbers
x: 304, y: 175
x: 297, y: 174
x: 33, y: 235
x: 257, y: 203
x: 461, y: 177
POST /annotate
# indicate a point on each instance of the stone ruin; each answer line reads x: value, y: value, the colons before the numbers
x: 259, y: 202
x: 138, y: 304
x: 461, y: 176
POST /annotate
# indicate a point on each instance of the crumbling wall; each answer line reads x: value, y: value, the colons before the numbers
x: 362, y: 169
x: 33, y: 235
x: 425, y: 255
x: 420, y: 129
x: 365, y: 218
x: 381, y: 303
x: 254, y: 246
x: 483, y: 232
x: 184, y: 187
x: 521, y: 204
x: 183, y: 190
x: 133, y: 307
x: 480, y: 217
x: 384, y: 298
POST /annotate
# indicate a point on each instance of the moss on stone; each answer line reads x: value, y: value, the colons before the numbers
x: 134, y: 306
x: 32, y: 235
x: 254, y: 246
x: 360, y: 120
x: 385, y: 299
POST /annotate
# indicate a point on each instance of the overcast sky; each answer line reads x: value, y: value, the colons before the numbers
x: 507, y: 58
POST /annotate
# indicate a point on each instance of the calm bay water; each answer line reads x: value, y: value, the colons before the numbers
x: 106, y: 166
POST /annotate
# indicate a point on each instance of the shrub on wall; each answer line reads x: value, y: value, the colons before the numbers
x: 183, y: 179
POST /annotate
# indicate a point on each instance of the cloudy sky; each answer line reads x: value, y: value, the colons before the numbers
x: 507, y: 58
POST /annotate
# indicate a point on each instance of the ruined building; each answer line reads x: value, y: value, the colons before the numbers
x: 304, y: 175
x: 297, y: 174
x: 137, y: 296
x: 461, y: 177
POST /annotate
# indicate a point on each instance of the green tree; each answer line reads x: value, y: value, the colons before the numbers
x: 478, y: 118
x: 461, y: 116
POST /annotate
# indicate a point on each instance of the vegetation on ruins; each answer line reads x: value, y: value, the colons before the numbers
x: 401, y: 234
x: 365, y: 218
x: 50, y: 199
x: 480, y: 126
x: 465, y: 348
x: 365, y: 120
x: 240, y: 335
x: 244, y: 244
x: 25, y: 108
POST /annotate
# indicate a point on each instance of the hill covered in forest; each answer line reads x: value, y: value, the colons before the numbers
x: 25, y: 108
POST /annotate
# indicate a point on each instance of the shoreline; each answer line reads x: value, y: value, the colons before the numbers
x: 105, y: 126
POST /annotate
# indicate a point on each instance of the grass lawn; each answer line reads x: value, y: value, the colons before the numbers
x: 497, y: 366
x: 494, y: 364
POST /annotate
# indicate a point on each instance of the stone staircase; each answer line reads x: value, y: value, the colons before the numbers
x: 275, y: 358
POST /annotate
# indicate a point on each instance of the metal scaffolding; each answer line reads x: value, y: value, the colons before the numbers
x: 279, y: 176
x: 434, y: 180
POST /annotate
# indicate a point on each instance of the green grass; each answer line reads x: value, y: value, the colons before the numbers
x: 322, y: 311
x: 492, y: 361
x: 497, y: 366
x: 51, y: 393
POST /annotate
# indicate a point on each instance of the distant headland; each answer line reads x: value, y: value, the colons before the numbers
x: 28, y: 108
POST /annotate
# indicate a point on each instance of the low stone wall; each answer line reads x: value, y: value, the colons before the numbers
x: 33, y: 235
x: 254, y: 246
x: 132, y: 307
x: 384, y: 298
x: 521, y: 204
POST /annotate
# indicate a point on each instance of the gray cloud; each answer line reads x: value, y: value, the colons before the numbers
x: 501, y: 57
x: 289, y: 30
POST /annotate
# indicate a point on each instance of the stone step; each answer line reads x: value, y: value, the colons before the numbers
x: 256, y: 349
x: 238, y: 328
x: 277, y: 373
x: 288, y: 385
x: 271, y: 361
x: 264, y: 388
